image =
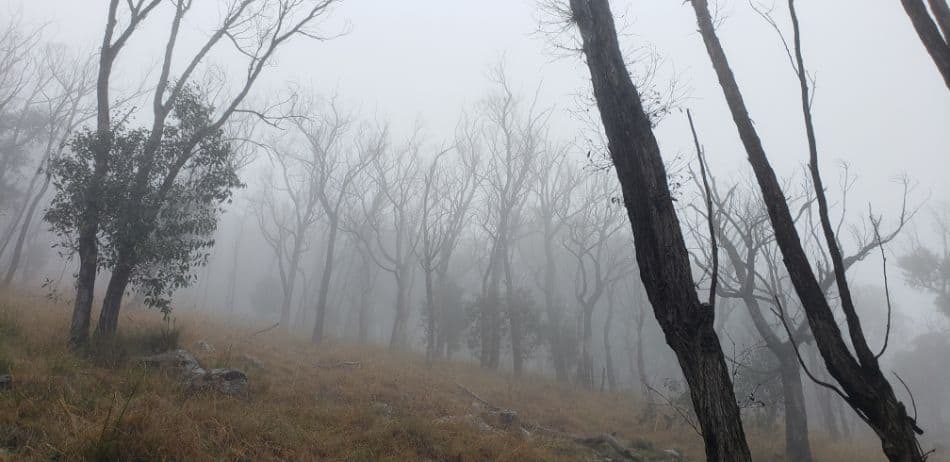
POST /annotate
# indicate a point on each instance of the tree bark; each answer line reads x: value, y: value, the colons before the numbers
x: 325, y: 279
x: 867, y: 389
x: 608, y: 358
x: 399, y: 338
x: 112, y: 302
x: 797, y: 445
x: 660, y: 247
x: 929, y: 34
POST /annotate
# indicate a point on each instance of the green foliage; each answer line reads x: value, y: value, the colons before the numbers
x: 925, y: 269
x: 159, y: 200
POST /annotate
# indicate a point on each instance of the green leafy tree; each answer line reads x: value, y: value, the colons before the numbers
x: 151, y: 238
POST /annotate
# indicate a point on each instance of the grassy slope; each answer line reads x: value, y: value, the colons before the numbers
x: 66, y: 406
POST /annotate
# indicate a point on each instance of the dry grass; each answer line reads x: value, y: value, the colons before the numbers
x: 69, y: 406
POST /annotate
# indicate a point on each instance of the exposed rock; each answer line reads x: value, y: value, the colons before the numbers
x: 508, y: 416
x: 6, y: 382
x: 226, y: 381
x: 673, y: 453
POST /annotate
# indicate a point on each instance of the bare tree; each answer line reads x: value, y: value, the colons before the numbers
x: 66, y: 105
x: 389, y: 232
x: 511, y: 141
x: 660, y: 247
x: 863, y: 384
x: 336, y: 174
x: 554, y: 191
x: 447, y: 196
x: 595, y: 240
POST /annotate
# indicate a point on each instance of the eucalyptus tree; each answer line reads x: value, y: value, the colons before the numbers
x: 389, y: 227
x: 860, y: 379
x: 337, y: 179
x: 447, y: 194
x: 933, y: 29
x: 255, y: 30
x: 66, y: 105
x: 510, y: 137
x: 663, y: 260
x: 596, y: 240
x: 301, y: 159
x: 554, y: 192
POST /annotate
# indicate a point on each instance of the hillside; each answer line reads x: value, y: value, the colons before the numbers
x: 305, y: 402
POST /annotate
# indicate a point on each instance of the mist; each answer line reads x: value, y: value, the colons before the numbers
x: 557, y: 195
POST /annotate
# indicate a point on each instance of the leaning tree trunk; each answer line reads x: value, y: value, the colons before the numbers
x: 24, y: 229
x: 937, y: 46
x: 661, y: 250
x: 112, y: 302
x: 861, y: 379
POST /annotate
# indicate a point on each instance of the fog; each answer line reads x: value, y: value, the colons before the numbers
x: 434, y: 177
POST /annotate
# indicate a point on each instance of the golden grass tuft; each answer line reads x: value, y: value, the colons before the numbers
x: 100, y: 405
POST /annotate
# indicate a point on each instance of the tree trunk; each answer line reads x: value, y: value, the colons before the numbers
x: 608, y: 359
x: 431, y: 323
x: 660, y: 247
x: 929, y: 34
x: 553, y: 311
x: 112, y: 303
x: 865, y: 384
x: 325, y: 279
x: 399, y: 338
x: 797, y: 446
x: 24, y: 229
x: 585, y: 369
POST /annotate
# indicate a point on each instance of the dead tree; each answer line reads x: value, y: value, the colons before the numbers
x: 554, y: 205
x: 302, y: 180
x: 863, y: 384
x: 660, y: 247
x: 336, y: 168
x: 511, y: 142
x: 65, y: 105
x: 595, y: 240
x: 447, y: 194
x: 389, y: 226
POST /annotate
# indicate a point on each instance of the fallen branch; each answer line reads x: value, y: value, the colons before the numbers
x: 339, y: 365
x: 263, y: 330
